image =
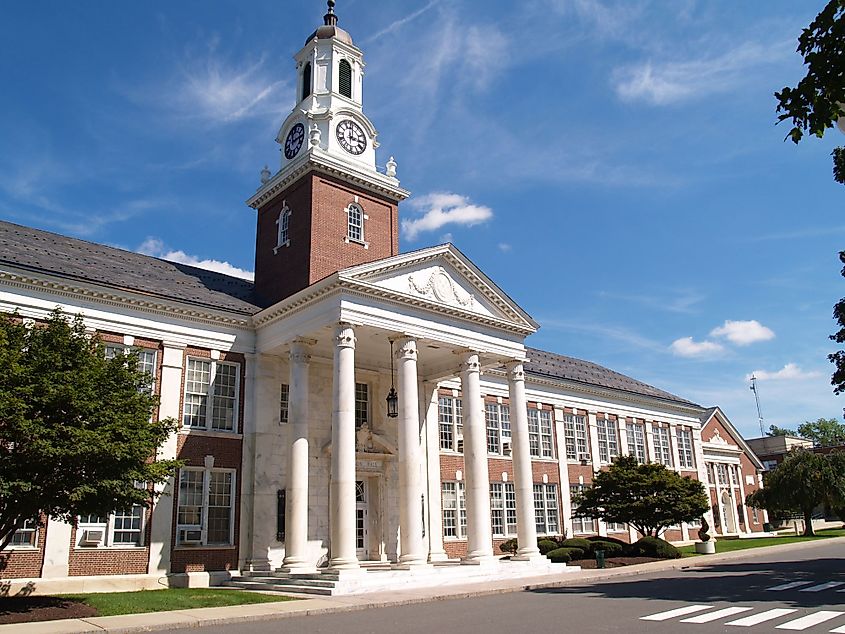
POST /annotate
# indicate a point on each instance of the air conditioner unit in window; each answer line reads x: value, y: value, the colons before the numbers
x: 584, y: 458
x: 506, y: 446
x: 460, y: 443
x: 190, y: 536
x: 92, y: 537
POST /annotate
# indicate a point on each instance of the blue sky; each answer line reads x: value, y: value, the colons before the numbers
x: 613, y: 165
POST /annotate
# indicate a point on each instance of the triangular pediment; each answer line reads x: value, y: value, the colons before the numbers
x: 444, y: 278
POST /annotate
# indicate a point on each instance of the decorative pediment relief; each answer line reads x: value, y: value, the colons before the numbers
x: 366, y: 441
x: 439, y: 285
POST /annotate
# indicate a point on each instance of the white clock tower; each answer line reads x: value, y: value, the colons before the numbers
x: 328, y: 207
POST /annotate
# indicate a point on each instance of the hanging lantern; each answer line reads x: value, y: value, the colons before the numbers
x: 392, y: 397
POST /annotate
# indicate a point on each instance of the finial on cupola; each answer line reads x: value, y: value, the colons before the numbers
x: 330, y: 18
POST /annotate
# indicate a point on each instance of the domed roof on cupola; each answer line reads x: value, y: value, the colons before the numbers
x: 330, y: 28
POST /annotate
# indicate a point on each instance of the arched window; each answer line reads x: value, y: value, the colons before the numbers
x: 306, y: 80
x: 355, y: 223
x: 345, y: 78
x: 283, y: 233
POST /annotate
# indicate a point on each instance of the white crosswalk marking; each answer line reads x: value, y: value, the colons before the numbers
x: 838, y: 630
x: 713, y: 616
x: 671, y: 614
x: 823, y: 586
x: 789, y: 586
x: 810, y: 620
x: 754, y: 619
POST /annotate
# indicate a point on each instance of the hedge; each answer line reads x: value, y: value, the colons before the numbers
x: 564, y: 555
x: 654, y: 547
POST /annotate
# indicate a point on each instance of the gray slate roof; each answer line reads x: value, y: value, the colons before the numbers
x: 557, y: 366
x: 44, y: 252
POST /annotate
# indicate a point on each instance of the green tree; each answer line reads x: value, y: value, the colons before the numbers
x: 803, y: 481
x: 825, y: 432
x: 816, y: 103
x: 649, y: 497
x: 75, y: 428
x: 774, y: 430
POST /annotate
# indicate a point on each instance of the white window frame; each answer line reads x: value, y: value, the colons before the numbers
x: 113, y: 349
x: 203, y: 524
x: 353, y: 211
x: 540, y: 433
x: 636, y: 441
x: 497, y: 423
x: 210, y: 395
x: 28, y: 530
x: 662, y: 445
x: 608, y: 436
x: 503, y: 509
x: 546, y: 508
x: 457, y: 512
x: 282, y: 228
x: 363, y: 415
x: 284, y: 404
x: 576, y: 437
x: 107, y: 525
x: 450, y: 423
x: 581, y: 525
x: 686, y: 454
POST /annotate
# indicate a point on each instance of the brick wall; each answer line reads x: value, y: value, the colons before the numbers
x: 25, y: 563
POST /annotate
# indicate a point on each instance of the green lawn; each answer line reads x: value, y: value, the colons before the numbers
x: 112, y: 603
x: 728, y: 545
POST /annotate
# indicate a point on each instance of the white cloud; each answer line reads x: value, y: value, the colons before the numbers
x: 743, y: 333
x: 443, y: 208
x: 687, y: 347
x: 666, y: 82
x: 789, y: 372
x: 398, y: 24
x: 504, y: 247
x: 156, y: 248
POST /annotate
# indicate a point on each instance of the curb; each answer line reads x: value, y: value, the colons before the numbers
x: 200, y: 617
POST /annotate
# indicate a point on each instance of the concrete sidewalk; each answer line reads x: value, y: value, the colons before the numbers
x: 266, y: 611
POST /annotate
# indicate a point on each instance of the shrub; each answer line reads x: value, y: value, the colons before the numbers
x: 654, y: 547
x: 546, y: 545
x: 509, y: 547
x: 625, y: 546
x: 564, y: 555
x: 577, y: 542
x: 611, y: 549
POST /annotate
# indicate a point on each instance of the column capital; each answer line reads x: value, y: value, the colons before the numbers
x: 344, y: 335
x: 406, y: 348
x: 516, y: 370
x: 300, y: 350
x: 469, y: 360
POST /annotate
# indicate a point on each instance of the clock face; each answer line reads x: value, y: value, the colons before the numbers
x: 351, y: 137
x: 294, y: 141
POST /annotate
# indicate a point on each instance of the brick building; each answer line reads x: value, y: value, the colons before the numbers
x: 295, y: 461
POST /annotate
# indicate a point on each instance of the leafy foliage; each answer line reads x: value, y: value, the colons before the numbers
x: 774, y: 430
x: 815, y: 103
x: 649, y: 497
x: 825, y: 432
x: 564, y: 555
x: 75, y: 429
x: 654, y: 547
x: 546, y: 545
x: 509, y: 546
x: 801, y: 482
x: 611, y: 549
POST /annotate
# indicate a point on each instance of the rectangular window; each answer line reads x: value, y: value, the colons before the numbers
x: 446, y: 420
x: 546, y: 509
x: 497, y: 509
x: 534, y: 432
x: 608, y: 439
x: 356, y: 223
x: 454, y: 510
x: 362, y: 404
x: 26, y: 535
x: 284, y: 403
x: 722, y: 473
x: 616, y: 527
x: 211, y: 383
x: 510, y: 509
x: 636, y: 441
x: 546, y: 438
x: 580, y: 525
x: 685, y: 453
x: 662, y: 445
x: 575, y: 437
x: 491, y: 416
x: 206, y: 507
x: 146, y: 360
x: 127, y: 526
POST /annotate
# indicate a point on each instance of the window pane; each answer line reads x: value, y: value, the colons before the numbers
x: 444, y: 411
x: 534, y: 433
x: 362, y: 404
x: 197, y: 381
x: 636, y: 441
x: 190, y: 498
x: 539, y: 509
x: 127, y: 526
x: 491, y: 416
x: 510, y: 509
x: 225, y: 395
x: 662, y: 446
x: 220, y: 508
x: 546, y: 433
x: 551, y: 509
x: 345, y: 78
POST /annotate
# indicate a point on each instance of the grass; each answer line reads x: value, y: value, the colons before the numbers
x: 728, y: 545
x: 113, y: 603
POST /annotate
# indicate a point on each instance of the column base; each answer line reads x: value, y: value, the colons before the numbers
x: 411, y: 565
x: 345, y: 573
x: 258, y: 565
x: 534, y: 558
x: 439, y: 556
x: 295, y: 569
x: 480, y: 560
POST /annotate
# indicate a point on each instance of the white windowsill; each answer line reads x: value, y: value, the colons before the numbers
x: 201, y: 547
x: 190, y: 431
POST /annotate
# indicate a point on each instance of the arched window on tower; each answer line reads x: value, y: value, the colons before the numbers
x: 355, y: 218
x: 306, y: 80
x: 283, y: 231
x: 344, y: 75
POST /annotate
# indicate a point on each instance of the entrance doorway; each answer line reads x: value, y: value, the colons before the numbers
x: 361, y: 521
x: 729, y: 513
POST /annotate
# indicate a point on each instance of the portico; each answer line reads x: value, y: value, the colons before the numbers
x: 442, y: 319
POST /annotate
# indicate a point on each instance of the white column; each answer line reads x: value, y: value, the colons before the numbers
x: 412, y: 551
x: 479, y: 530
x: 57, y: 549
x: 296, y: 498
x: 523, y: 481
x: 436, y: 552
x: 563, y: 469
x: 739, y: 479
x: 673, y: 448
x: 170, y: 394
x: 622, y: 426
x: 342, y: 489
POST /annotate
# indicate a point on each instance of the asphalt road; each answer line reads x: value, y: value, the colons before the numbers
x: 798, y: 590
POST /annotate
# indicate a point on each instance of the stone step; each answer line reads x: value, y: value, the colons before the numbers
x: 288, y: 581
x: 275, y: 587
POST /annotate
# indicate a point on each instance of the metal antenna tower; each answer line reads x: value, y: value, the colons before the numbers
x: 753, y: 388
